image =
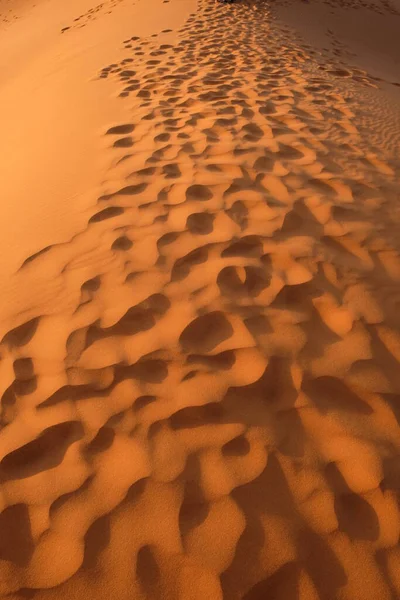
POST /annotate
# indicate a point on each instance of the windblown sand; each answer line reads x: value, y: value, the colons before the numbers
x: 200, y: 311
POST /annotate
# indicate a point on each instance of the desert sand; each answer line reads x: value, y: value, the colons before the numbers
x: 200, y: 306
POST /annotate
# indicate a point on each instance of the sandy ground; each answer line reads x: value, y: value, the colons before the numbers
x: 200, y: 308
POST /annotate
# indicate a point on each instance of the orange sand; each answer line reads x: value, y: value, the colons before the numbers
x: 200, y: 308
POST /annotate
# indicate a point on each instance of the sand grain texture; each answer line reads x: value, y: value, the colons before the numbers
x: 200, y: 378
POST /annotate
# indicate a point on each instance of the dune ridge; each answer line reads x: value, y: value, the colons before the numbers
x: 201, y: 398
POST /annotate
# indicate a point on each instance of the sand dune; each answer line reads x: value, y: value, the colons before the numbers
x: 200, y: 354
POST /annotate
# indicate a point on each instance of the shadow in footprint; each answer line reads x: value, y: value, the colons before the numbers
x: 321, y: 563
x: 217, y: 362
x: 23, y: 369
x: 256, y: 280
x: 35, y: 256
x: 125, y: 142
x: 102, y: 441
x: 268, y: 494
x: 198, y: 192
x: 282, y: 585
x: 239, y: 214
x: 248, y: 246
x: 194, y: 508
x: 182, y: 266
x: 205, y: 333
x: 238, y: 446
x: 107, y: 213
x: 45, y: 452
x: 88, y: 290
x: 120, y: 129
x: 146, y: 370
x: 197, y: 416
x: 25, y: 382
x: 20, y: 336
x: 331, y: 394
x: 356, y: 517
x: 91, y: 285
x: 141, y: 317
x: 200, y: 223
x: 96, y: 540
x: 148, y: 572
x: 122, y: 243
x: 16, y: 542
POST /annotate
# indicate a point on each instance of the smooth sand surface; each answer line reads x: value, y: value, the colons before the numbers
x: 200, y: 307
x: 362, y: 33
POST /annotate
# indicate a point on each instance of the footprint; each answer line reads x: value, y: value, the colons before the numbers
x: 35, y: 256
x: 22, y: 335
x: 223, y: 361
x: 197, y: 416
x: 181, y: 268
x: 131, y: 190
x: 248, y: 246
x: 107, y: 213
x: 162, y: 137
x: 200, y: 223
x: 321, y: 186
x: 143, y: 401
x: 122, y: 243
x: 252, y: 132
x: 340, y: 72
x: 148, y: 572
x: 96, y: 540
x: 356, y: 517
x: 289, y: 152
x: 127, y: 73
x: 43, y: 453
x: 330, y: 394
x: 23, y: 369
x: 267, y: 109
x: 255, y: 281
x: 239, y: 446
x: 264, y: 164
x: 171, y: 171
x: 126, y: 142
x: 282, y: 585
x: 146, y: 172
x: 16, y: 544
x: 239, y: 214
x: 205, y: 333
x: 141, y: 317
x: 149, y: 370
x: 198, y: 192
x: 120, y: 129
x: 101, y: 442
x: 89, y: 288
